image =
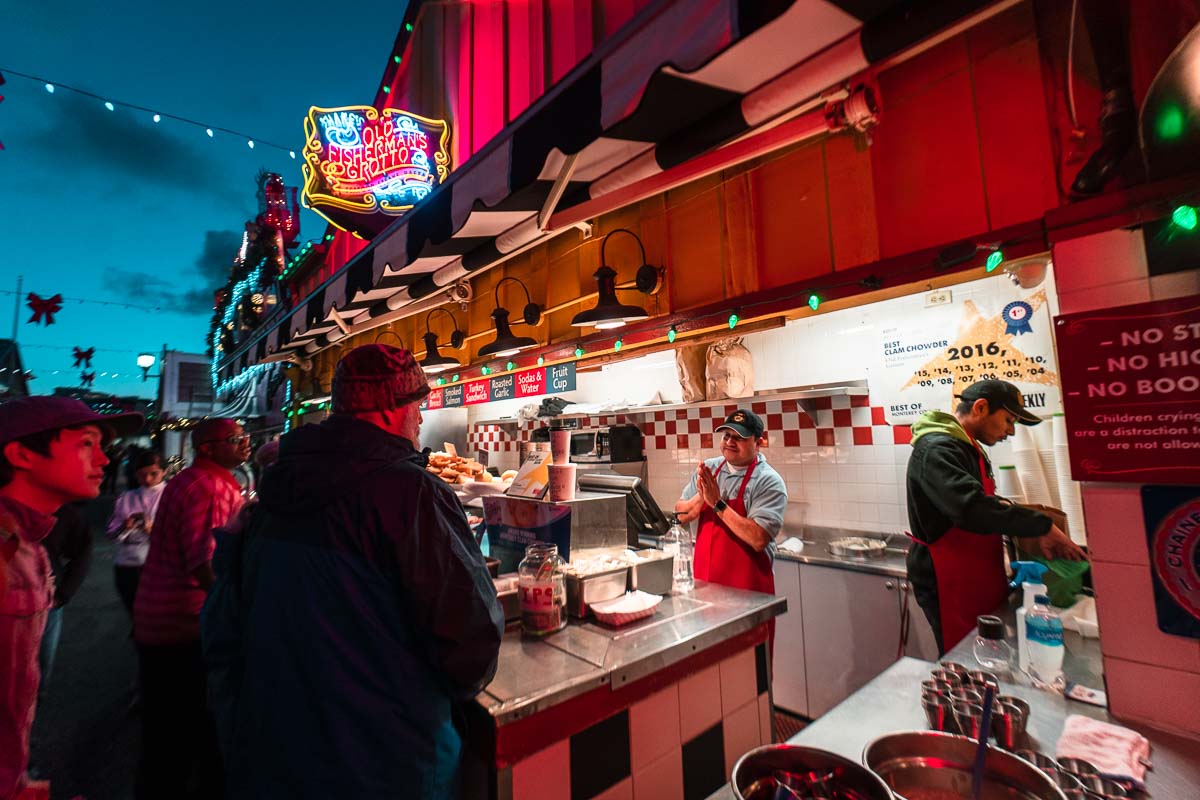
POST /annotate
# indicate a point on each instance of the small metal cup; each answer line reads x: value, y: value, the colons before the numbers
x: 1010, y: 715
x: 936, y: 687
x: 939, y: 713
x: 966, y: 695
x: 1077, y: 766
x: 945, y: 675
x: 969, y: 718
x: 1102, y: 787
x: 1064, y: 780
x: 1039, y: 760
x: 981, y: 679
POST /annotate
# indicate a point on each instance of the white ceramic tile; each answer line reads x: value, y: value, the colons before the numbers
x: 654, y: 727
x: 868, y: 512
x: 824, y: 418
x: 693, y: 413
x: 808, y: 437
x: 545, y: 775
x: 860, y: 416
x: 699, y: 707
x: 844, y: 436
x: 864, y: 474
x: 828, y: 473
x: 841, y: 401
x: 842, y: 453
x: 901, y: 453
x: 846, y: 473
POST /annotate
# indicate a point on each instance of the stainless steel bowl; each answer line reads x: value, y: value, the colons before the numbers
x: 857, y: 547
x: 919, y: 764
x: 759, y: 773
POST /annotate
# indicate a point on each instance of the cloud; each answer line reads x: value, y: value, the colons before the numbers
x: 210, y: 271
x: 81, y: 133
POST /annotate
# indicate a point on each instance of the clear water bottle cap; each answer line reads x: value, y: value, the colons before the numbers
x: 1042, y: 599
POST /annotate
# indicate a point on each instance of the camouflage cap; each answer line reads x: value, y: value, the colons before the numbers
x: 377, y: 377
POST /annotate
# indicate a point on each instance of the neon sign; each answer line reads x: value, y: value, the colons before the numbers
x: 366, y: 161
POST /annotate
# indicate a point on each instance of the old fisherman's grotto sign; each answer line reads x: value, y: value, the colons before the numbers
x: 363, y: 165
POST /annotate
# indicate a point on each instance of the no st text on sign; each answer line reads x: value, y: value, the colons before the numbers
x: 1131, y: 391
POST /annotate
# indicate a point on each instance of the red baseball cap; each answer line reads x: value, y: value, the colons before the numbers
x: 25, y: 416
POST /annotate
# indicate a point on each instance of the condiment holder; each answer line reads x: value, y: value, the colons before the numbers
x: 969, y: 718
x: 939, y: 712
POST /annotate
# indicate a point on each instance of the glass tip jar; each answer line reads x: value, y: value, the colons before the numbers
x: 543, y: 590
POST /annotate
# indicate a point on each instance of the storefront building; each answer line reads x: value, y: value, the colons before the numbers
x: 875, y: 199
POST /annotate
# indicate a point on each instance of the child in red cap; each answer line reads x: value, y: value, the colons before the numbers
x: 50, y: 454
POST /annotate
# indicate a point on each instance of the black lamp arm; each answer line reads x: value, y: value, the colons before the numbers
x: 453, y: 320
x: 636, y: 238
x: 385, y: 332
x: 496, y: 291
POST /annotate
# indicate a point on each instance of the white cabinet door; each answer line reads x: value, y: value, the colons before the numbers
x: 921, y: 643
x: 851, y: 631
x: 788, y: 684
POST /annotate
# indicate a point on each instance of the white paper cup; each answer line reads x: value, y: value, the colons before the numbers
x: 562, y: 482
x: 560, y: 446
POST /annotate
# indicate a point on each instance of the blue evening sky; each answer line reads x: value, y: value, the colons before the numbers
x: 109, y: 206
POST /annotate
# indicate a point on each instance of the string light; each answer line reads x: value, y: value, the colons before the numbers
x: 617, y: 346
x: 733, y: 320
x: 510, y: 366
x: 454, y: 378
x: 111, y: 104
x: 486, y: 370
x: 579, y: 352
x: 541, y: 360
x: 671, y: 334
x: 250, y: 143
x: 994, y: 260
x: 1185, y: 217
x: 814, y: 302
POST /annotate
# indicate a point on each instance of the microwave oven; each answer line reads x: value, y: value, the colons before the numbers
x: 606, y: 444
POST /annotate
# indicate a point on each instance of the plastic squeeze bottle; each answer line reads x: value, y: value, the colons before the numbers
x: 1029, y: 577
x: 1044, y: 632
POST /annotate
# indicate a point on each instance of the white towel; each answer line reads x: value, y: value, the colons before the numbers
x: 1115, y: 751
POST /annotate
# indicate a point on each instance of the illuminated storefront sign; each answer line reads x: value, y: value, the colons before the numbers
x: 365, y: 161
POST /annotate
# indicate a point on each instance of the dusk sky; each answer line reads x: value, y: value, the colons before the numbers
x: 109, y: 206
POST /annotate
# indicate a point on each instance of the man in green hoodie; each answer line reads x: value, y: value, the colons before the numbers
x: 956, y: 563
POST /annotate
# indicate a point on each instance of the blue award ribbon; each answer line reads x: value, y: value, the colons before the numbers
x: 1017, y: 316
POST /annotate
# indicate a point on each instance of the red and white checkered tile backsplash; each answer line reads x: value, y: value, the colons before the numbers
x: 842, y: 420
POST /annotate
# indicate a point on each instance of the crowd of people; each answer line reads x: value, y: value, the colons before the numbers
x: 313, y: 641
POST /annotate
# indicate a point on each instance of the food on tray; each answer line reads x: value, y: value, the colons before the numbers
x: 508, y: 475
x: 456, y: 469
x: 596, y: 563
x: 484, y: 477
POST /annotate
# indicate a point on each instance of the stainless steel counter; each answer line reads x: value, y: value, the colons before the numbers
x: 891, y: 702
x: 816, y: 551
x: 535, y: 674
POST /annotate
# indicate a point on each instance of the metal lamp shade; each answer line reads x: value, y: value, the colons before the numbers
x: 505, y: 343
x: 609, y: 312
x: 434, y: 362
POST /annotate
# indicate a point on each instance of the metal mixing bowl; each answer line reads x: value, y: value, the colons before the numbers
x: 927, y: 764
x: 809, y: 771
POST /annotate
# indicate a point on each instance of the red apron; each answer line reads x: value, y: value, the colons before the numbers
x: 721, y: 557
x: 969, y: 569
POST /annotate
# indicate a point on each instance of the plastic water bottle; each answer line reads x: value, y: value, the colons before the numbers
x: 678, y: 542
x: 1044, y: 637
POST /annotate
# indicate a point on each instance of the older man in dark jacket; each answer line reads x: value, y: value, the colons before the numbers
x: 364, y: 609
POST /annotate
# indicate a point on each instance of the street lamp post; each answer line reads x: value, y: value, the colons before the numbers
x: 146, y: 361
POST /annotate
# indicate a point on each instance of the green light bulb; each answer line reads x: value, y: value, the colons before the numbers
x: 396, y: 59
x: 617, y: 345
x: 509, y: 366
x: 408, y: 27
x: 578, y: 352
x: 671, y: 334
x: 1170, y: 122
x: 441, y: 381
x: 994, y: 260
x: 814, y: 302
x: 487, y: 370
x: 733, y: 321
x: 387, y: 90
x: 541, y: 360
x: 1184, y: 217
x: 454, y: 378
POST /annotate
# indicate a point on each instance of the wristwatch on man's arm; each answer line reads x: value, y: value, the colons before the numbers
x: 720, y: 506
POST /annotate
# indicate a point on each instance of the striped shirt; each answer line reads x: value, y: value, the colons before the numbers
x: 167, y: 608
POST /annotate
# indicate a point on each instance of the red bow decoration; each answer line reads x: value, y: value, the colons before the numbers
x: 83, y: 358
x: 45, y: 307
x: 87, y: 378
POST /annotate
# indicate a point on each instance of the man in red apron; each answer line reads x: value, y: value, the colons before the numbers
x: 956, y: 562
x: 739, y: 501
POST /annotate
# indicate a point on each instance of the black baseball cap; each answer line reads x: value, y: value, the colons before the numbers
x: 1000, y: 394
x: 745, y: 424
x: 25, y: 416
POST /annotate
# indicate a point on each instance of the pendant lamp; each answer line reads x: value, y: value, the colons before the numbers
x: 609, y: 311
x: 506, y: 344
x: 434, y: 362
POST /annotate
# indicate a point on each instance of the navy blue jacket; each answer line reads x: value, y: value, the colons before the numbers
x: 365, y: 613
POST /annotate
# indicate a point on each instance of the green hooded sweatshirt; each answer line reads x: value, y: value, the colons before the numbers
x: 941, y: 422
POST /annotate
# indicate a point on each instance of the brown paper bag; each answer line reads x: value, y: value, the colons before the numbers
x: 690, y: 362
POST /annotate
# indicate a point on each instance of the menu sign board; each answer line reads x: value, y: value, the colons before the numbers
x: 530, y: 383
x: 1131, y: 387
x: 931, y: 354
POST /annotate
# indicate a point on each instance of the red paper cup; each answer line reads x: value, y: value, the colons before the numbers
x: 562, y: 482
x: 560, y: 446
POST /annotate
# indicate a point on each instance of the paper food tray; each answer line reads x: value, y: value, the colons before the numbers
x: 627, y: 608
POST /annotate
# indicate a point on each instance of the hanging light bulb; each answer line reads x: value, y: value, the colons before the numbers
x: 250, y: 143
x: 108, y: 104
x: 1185, y: 217
x: 50, y: 88
x: 292, y: 153
x: 510, y: 366
x: 209, y: 132
x: 486, y: 370
x: 994, y: 260
x: 541, y: 360
x: 617, y: 346
x: 579, y: 352
x: 814, y: 302
x: 454, y: 378
x: 157, y: 118
x: 671, y: 334
x: 733, y: 320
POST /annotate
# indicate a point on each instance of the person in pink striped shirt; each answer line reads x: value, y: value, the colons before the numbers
x: 180, y: 758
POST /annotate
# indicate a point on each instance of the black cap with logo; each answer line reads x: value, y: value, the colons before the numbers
x: 745, y: 424
x: 1000, y: 394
